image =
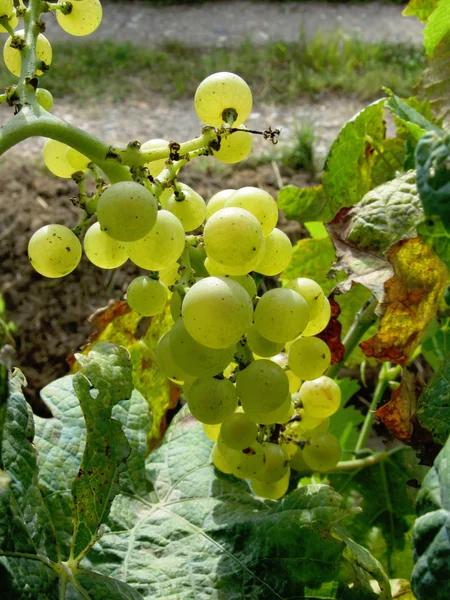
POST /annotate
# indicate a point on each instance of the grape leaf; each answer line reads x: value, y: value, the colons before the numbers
x: 389, y: 160
x: 304, y: 204
x: 313, y: 258
x: 409, y: 117
x: 421, y: 9
x: 434, y: 404
x: 433, y: 233
x: 437, y: 26
x: 436, y: 343
x: 435, y: 85
x: 431, y: 533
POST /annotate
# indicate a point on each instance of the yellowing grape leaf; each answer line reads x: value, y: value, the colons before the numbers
x: 410, y: 301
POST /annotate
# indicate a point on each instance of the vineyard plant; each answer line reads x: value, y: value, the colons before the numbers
x: 256, y: 419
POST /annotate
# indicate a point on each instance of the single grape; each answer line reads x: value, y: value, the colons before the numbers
x: 289, y: 447
x: 170, y: 275
x: 176, y: 303
x: 219, y: 94
x: 309, y: 357
x: 279, y: 415
x: 102, y: 250
x: 317, y: 325
x: 311, y: 292
x: 12, y: 56
x: 146, y: 296
x: 248, y: 462
x: 191, y: 211
x: 217, y: 312
x: 44, y: 98
x: 281, y: 315
x: 127, y: 211
x: 212, y: 400
x: 7, y: 10
x: 217, y: 201
x: 54, y: 251
x: 194, y: 358
x: 277, y: 254
x: 212, y: 431
x: 162, y: 246
x: 276, y: 464
x: 259, y: 202
x: 83, y: 19
x: 238, y: 431
x: 273, y: 491
x: 164, y: 196
x: 167, y: 363
x: 262, y: 386
x: 156, y: 166
x: 260, y: 346
x: 55, y: 158
x: 78, y: 161
x: 322, y: 452
x: 298, y: 463
x: 219, y: 460
x: 321, y: 397
x: 235, y: 147
x: 197, y: 257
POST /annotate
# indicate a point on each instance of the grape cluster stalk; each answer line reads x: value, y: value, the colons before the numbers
x: 250, y: 365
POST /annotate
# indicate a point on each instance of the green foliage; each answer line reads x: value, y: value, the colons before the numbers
x: 431, y: 534
x: 344, y: 423
x: 434, y: 404
x: 304, y: 204
x: 312, y: 257
x: 436, y: 342
x: 437, y: 26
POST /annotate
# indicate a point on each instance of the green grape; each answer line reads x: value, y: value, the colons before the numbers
x: 260, y: 346
x: 279, y: 415
x: 309, y: 357
x: 127, y: 211
x: 197, y: 257
x: 277, y: 254
x: 247, y: 282
x: 44, y: 98
x: 219, y: 93
x: 317, y: 325
x: 321, y: 397
x: 217, y: 201
x: 322, y: 452
x: 259, y: 203
x: 170, y: 275
x: 238, y: 431
x: 12, y: 56
x: 167, y: 363
x: 212, y: 431
x: 235, y: 147
x: 164, y: 196
x: 194, y: 358
x: 162, y: 246
x: 311, y: 291
x: 156, y: 166
x: 289, y: 447
x: 54, y: 251
x: 322, y: 427
x: 146, y: 296
x: 175, y: 305
x: 233, y: 238
x: 102, y: 250
x: 262, y: 386
x: 248, y: 462
x: 78, y: 161
x: 275, y: 464
x: 294, y: 381
x: 55, y: 159
x: 273, y: 491
x: 297, y: 462
x: 281, y: 315
x: 7, y: 10
x: 83, y: 19
x: 191, y: 211
x: 219, y: 460
x: 212, y: 400
x: 217, y: 312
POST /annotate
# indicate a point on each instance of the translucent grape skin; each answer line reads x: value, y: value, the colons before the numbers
x: 294, y: 381
x: 7, y: 10
x: 220, y: 461
x: 212, y: 431
x: 322, y: 452
x: 146, y: 296
x: 84, y: 18
x: 78, y: 161
x: 259, y: 202
x: 44, y: 98
x: 217, y: 201
x: 102, y: 250
x: 127, y: 211
x: 281, y: 315
x: 321, y: 397
x: 235, y: 147
x: 212, y: 400
x: 275, y: 464
x: 260, y: 346
x: 309, y: 357
x: 12, y: 56
x: 318, y: 324
x: 238, y: 431
x: 191, y: 211
x: 54, y: 251
x: 55, y: 158
x: 272, y: 491
x: 221, y: 92
x: 262, y: 386
x: 280, y: 415
x: 166, y: 362
x: 244, y: 463
x: 277, y: 254
x: 297, y: 462
x: 156, y: 166
x: 217, y: 312
x: 311, y: 291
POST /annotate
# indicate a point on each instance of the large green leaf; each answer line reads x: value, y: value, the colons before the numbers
x: 431, y: 534
x: 304, y: 204
x: 421, y: 9
x: 407, y: 116
x: 434, y: 404
x: 438, y: 25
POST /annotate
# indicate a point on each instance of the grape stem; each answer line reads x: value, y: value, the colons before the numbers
x: 368, y: 461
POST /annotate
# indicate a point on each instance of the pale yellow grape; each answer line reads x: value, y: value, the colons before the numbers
x: 217, y: 201
x: 55, y: 158
x: 85, y: 17
x: 217, y: 312
x: 279, y: 415
x: 262, y: 386
x: 307, y: 423
x: 191, y: 211
x: 211, y: 400
x: 44, y: 98
x: 322, y: 427
x: 54, y: 251
x: 170, y: 275
x: 309, y: 357
x: 146, y: 296
x: 275, y: 464
x: 311, y: 292
x: 6, y: 8
x: 11, y: 16
x: 272, y: 491
x: 297, y: 462
x: 156, y: 166
x: 213, y: 268
x: 321, y: 397
x: 102, y: 250
x: 162, y: 246
x: 277, y: 254
x: 235, y: 147
x: 12, y: 56
x: 219, y: 460
x: 281, y: 315
x: 127, y: 211
x: 78, y: 161
x: 238, y: 431
x: 212, y: 431
x: 248, y: 462
x: 259, y: 202
x: 260, y: 345
x: 164, y: 196
x: 317, y: 325
x: 175, y: 305
x: 322, y: 452
x: 294, y: 381
x: 233, y: 238
x: 290, y: 448
x: 220, y: 92
x: 247, y: 282
x: 166, y: 362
